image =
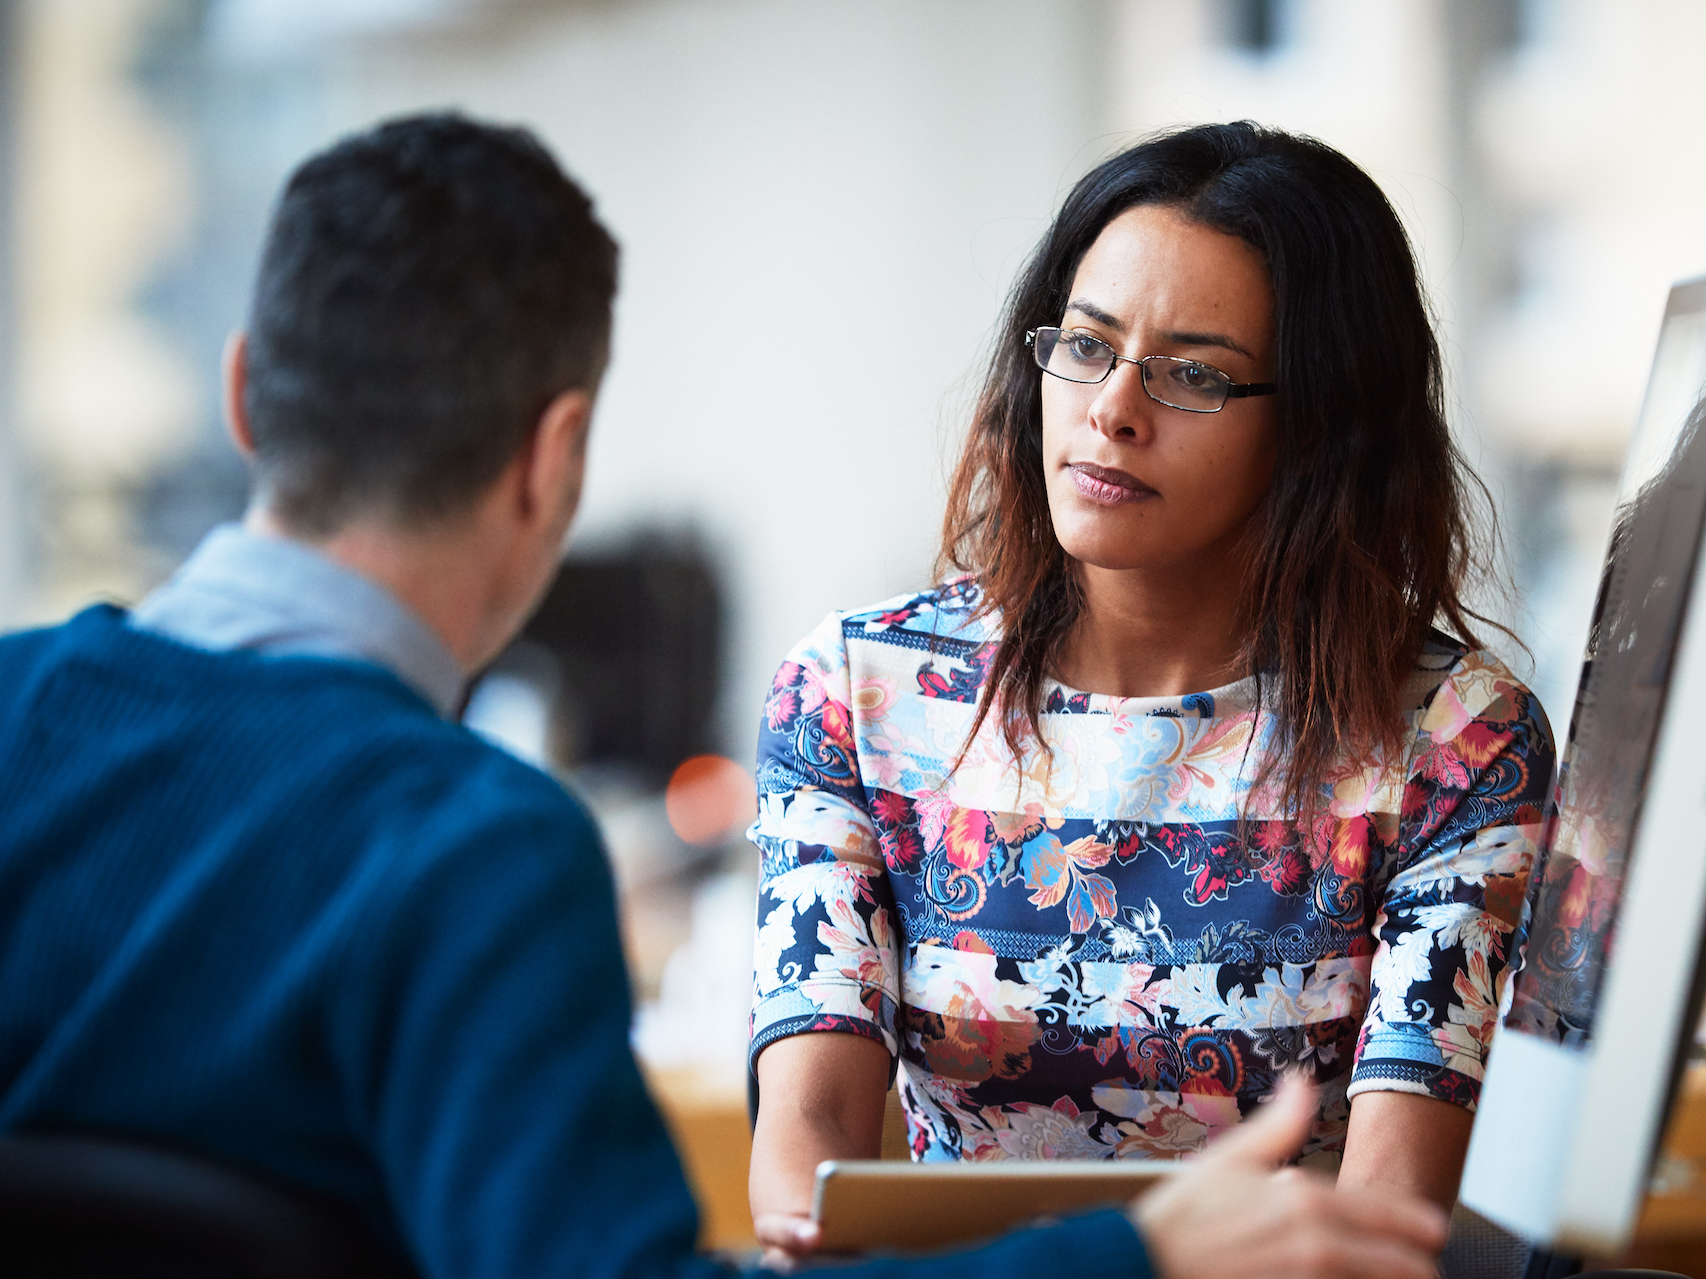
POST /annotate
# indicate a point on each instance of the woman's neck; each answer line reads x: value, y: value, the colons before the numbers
x: 1147, y: 633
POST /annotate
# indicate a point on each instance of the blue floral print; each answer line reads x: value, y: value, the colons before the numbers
x: 1116, y: 946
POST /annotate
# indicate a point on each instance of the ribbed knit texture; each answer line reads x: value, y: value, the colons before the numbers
x: 276, y: 911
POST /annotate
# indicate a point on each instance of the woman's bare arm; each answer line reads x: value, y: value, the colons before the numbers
x: 1399, y: 1141
x: 820, y: 1097
x: 1229, y: 1216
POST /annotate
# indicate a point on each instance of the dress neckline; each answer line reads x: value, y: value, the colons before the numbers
x: 1060, y: 698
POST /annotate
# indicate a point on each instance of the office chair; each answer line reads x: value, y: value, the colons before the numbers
x: 82, y: 1207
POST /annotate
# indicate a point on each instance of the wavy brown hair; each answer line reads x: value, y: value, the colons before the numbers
x: 1364, y: 541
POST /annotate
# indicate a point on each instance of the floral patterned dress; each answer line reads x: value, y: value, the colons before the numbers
x: 1082, y: 959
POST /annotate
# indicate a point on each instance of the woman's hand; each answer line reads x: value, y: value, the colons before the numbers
x: 820, y: 1097
x: 1230, y: 1214
x: 785, y: 1238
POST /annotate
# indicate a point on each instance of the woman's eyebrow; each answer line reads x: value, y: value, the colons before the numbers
x: 1206, y: 339
x: 1096, y: 313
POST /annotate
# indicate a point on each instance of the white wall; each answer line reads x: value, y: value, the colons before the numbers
x: 1591, y: 134
x: 820, y: 208
x: 1369, y: 79
x: 1549, y: 181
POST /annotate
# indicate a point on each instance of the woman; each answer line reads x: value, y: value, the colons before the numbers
x: 1176, y: 787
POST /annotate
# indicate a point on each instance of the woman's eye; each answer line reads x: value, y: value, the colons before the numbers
x: 1085, y: 348
x: 1196, y: 377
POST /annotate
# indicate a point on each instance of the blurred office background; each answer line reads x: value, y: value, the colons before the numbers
x: 821, y: 206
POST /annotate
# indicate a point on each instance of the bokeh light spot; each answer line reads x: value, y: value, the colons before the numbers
x: 709, y: 799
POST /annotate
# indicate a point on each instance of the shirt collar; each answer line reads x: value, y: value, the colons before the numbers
x: 241, y: 590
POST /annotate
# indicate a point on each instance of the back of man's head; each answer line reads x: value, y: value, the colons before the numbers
x: 427, y: 288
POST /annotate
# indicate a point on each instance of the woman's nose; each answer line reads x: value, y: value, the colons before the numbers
x: 1122, y: 409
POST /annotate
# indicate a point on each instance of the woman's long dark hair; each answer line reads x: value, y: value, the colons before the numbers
x: 1364, y: 540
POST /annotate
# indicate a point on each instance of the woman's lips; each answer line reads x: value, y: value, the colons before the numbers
x: 1108, y: 487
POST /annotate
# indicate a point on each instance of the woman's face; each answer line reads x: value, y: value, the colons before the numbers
x: 1133, y: 484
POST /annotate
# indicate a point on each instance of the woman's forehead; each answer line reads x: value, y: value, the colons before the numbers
x: 1153, y: 267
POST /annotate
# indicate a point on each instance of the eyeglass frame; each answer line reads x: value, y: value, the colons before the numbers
x: 1234, y: 390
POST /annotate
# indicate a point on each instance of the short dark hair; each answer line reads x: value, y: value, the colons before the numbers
x: 1367, y: 537
x: 427, y: 288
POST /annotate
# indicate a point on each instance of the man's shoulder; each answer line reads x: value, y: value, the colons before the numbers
x: 96, y: 665
x: 347, y: 736
x: 24, y: 653
x: 358, y: 731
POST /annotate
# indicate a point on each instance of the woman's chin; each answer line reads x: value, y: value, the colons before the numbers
x: 1146, y: 554
x: 1117, y: 559
x: 1103, y: 539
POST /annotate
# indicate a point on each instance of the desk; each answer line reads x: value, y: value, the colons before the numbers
x: 709, y: 1126
x: 708, y: 1123
x: 1671, y: 1234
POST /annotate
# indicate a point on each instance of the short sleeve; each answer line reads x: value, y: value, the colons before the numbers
x: 1472, y: 807
x: 826, y: 955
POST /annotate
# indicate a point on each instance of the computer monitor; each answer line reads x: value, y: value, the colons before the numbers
x: 1601, y: 1014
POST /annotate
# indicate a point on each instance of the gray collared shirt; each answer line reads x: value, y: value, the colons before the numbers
x: 240, y: 590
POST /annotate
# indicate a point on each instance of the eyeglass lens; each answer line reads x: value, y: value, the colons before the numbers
x: 1180, y: 384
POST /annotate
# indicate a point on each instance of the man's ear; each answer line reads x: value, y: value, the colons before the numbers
x: 234, y: 369
x: 556, y: 458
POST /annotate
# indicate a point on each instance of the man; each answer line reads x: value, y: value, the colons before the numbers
x: 261, y: 899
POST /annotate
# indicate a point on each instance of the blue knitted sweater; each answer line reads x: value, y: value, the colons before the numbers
x: 276, y: 911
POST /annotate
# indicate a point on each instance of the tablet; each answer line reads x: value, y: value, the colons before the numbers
x: 866, y: 1205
